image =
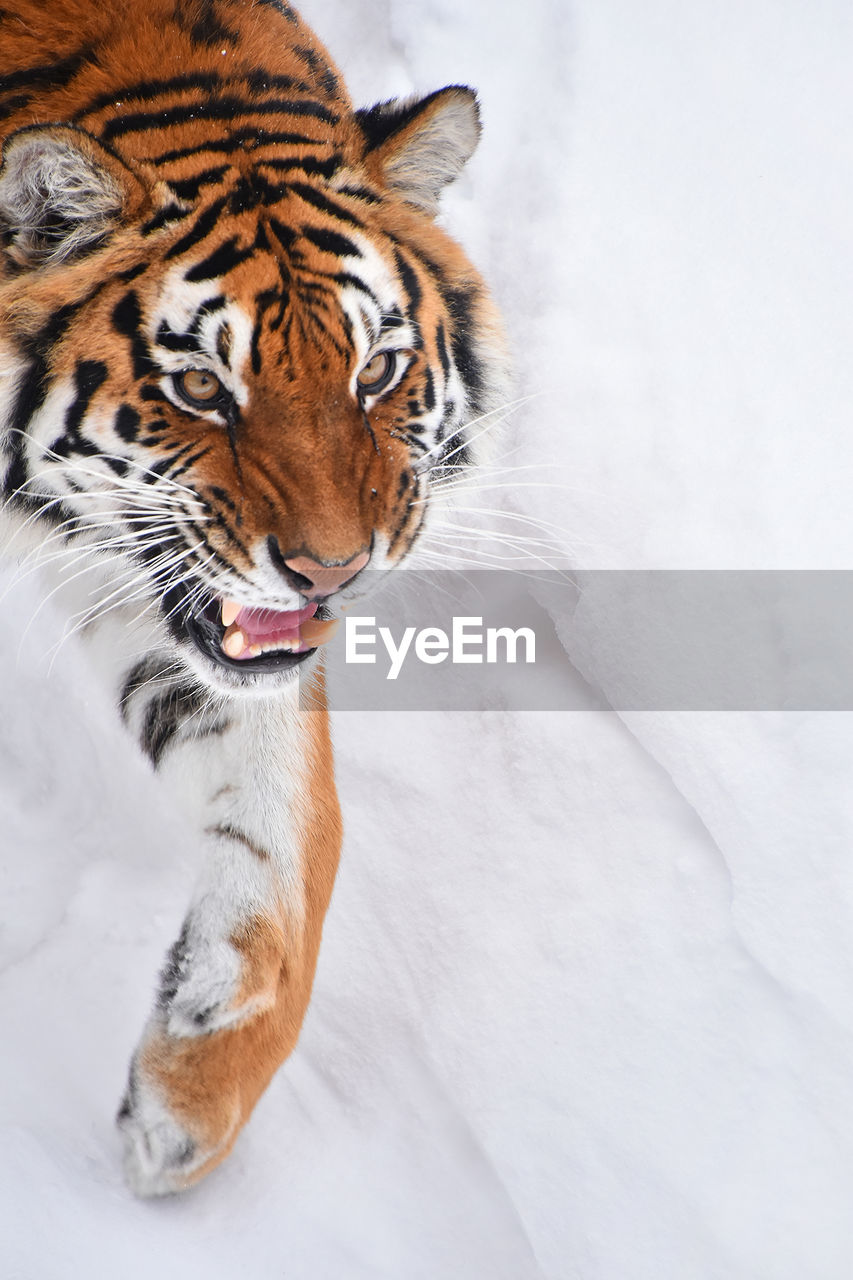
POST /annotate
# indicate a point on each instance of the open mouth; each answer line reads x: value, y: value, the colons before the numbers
x: 260, y: 641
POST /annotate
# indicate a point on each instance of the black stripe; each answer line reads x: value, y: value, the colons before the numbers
x: 225, y: 498
x: 155, y: 428
x: 177, y: 341
x: 228, y: 256
x: 51, y: 75
x: 126, y: 424
x: 210, y: 551
x: 203, y: 24
x: 89, y: 377
x: 261, y: 240
x: 285, y: 235
x: 361, y: 193
x: 429, y: 391
x: 262, y: 82
x: 161, y: 467
x: 146, y: 90
x: 320, y: 69
x: 208, y: 308
x: 239, y: 837
x: 248, y: 192
x: 307, y: 164
x: 174, y: 971
x: 460, y: 304
x: 322, y: 202
x: 263, y: 303
x: 132, y: 273
x: 166, y: 715
x: 281, y: 7
x: 150, y: 393
x: 224, y: 107
x: 204, y: 225
x: 13, y: 104
x: 171, y: 213
x: 236, y: 141
x: 418, y: 526
x: 188, y: 188
x: 331, y: 242
x: 454, y: 456
x: 441, y: 344
x: 324, y: 326
x: 410, y: 283
x: 168, y: 466
x: 32, y: 393
x: 148, y: 669
x: 68, y: 444
x: 222, y: 523
x: 399, y: 528
x: 189, y: 463
x: 345, y: 278
x: 432, y: 267
x: 127, y: 319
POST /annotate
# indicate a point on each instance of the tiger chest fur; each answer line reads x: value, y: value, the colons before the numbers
x: 236, y: 353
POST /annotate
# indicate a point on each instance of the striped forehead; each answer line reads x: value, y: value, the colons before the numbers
x: 218, y: 318
x: 192, y: 319
x: 372, y: 299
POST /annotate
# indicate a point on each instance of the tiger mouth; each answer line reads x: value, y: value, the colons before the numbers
x: 259, y: 641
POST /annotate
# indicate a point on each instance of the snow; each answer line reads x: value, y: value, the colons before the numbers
x: 583, y: 1004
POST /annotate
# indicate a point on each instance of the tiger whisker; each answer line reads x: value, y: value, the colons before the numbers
x: 126, y: 538
x: 95, y: 613
x: 159, y: 477
x: 544, y: 526
x: 507, y: 407
x: 146, y: 506
x: 60, y: 587
x: 523, y: 546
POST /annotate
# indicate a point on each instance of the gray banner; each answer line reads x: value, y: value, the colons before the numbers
x: 633, y: 640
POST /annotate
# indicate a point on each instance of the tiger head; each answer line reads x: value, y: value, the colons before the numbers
x: 237, y: 351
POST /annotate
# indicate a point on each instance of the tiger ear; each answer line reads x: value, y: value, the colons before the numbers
x: 61, y: 194
x: 416, y: 147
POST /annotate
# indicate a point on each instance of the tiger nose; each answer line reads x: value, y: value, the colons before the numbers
x: 317, y: 578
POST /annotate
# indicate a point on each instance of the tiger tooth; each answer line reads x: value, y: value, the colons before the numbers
x: 316, y: 631
x: 230, y: 609
x: 255, y: 650
x: 233, y: 643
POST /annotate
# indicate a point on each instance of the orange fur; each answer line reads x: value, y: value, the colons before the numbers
x: 213, y: 1082
x: 231, y: 175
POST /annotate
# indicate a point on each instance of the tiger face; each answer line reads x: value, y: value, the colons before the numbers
x: 236, y: 349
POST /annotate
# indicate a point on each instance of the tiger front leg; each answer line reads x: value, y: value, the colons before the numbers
x: 236, y: 983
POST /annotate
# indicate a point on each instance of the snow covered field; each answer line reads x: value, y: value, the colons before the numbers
x: 585, y: 1003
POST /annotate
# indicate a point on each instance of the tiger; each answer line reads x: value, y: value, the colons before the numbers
x: 237, y: 355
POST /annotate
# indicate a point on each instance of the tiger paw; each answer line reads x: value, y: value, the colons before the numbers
x: 174, y: 1132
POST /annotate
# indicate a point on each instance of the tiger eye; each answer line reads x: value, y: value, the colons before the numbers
x: 378, y: 372
x: 199, y: 386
